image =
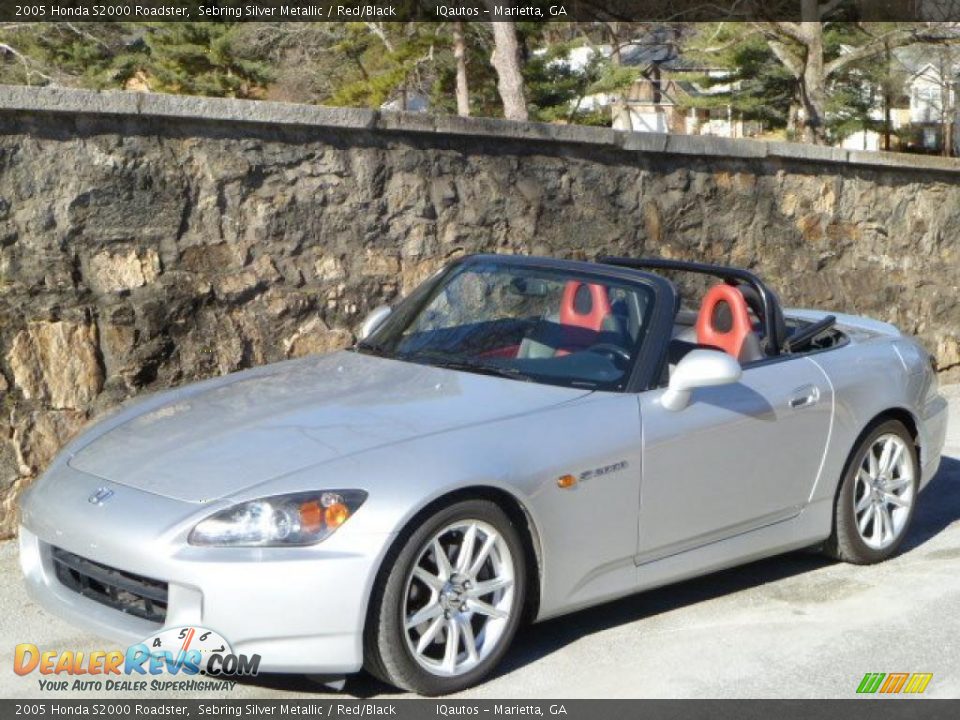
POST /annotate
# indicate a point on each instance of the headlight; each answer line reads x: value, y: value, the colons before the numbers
x: 300, y: 519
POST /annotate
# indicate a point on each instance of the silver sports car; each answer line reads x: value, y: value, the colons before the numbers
x: 518, y: 438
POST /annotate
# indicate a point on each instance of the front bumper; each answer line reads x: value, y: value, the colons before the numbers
x: 301, y: 609
x: 933, y: 437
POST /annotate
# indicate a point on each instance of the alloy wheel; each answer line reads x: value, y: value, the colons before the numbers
x: 884, y: 491
x: 458, y: 598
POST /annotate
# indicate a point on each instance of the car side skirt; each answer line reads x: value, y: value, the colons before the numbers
x: 809, y: 528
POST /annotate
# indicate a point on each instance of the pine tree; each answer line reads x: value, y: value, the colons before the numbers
x: 202, y: 58
x: 754, y: 84
x: 857, y: 96
x: 67, y: 54
x: 558, y: 91
x: 384, y: 61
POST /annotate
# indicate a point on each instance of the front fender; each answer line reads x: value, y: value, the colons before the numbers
x: 587, y: 533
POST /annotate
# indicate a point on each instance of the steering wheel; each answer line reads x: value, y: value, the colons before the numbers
x: 610, y: 349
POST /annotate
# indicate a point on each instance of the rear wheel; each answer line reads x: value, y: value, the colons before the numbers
x: 876, y: 501
x: 449, y: 606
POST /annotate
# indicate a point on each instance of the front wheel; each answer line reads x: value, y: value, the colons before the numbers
x: 445, y: 612
x: 876, y: 501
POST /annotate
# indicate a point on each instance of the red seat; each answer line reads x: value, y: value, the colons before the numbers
x: 584, y: 305
x: 584, y: 311
x: 729, y: 340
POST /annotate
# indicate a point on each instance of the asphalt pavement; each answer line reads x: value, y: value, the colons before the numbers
x: 796, y: 626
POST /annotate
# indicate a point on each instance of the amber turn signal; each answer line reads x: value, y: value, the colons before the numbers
x: 336, y: 515
x: 311, y: 516
x: 566, y: 481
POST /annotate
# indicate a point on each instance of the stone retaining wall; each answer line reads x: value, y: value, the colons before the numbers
x: 147, y: 240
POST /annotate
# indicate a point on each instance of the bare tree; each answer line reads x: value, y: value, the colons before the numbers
x: 460, y: 55
x: 946, y: 77
x: 34, y: 68
x: 799, y: 47
x: 506, y: 61
x: 30, y: 68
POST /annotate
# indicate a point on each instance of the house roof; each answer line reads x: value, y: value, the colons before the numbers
x: 665, y: 55
x: 926, y: 60
x: 659, y: 46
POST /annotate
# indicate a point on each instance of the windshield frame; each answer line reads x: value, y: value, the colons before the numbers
x: 641, y: 374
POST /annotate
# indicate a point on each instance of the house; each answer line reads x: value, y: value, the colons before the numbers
x: 406, y: 100
x: 663, y: 99
x: 932, y: 90
x: 669, y: 105
x: 924, y: 115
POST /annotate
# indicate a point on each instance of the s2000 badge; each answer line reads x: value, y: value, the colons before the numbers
x: 100, y: 496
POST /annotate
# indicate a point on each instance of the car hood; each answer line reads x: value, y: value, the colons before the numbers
x: 247, y: 428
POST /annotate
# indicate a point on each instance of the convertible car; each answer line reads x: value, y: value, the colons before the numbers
x: 518, y: 438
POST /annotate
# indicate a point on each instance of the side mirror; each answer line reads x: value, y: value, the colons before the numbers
x: 699, y: 368
x: 373, y: 321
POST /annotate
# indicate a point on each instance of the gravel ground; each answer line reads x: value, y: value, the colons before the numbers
x: 792, y: 626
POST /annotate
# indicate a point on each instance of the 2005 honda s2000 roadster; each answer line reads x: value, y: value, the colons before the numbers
x: 518, y: 438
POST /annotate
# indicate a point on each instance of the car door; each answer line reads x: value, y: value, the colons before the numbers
x: 737, y: 458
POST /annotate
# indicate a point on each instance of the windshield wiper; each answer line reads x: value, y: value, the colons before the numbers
x: 482, y: 369
x: 372, y: 349
x: 468, y: 366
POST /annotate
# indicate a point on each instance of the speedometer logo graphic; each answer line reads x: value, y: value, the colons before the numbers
x: 194, y: 649
x: 178, y: 641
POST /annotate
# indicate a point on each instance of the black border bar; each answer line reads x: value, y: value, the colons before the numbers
x: 473, y: 10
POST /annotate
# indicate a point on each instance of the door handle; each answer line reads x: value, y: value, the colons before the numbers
x: 804, y: 397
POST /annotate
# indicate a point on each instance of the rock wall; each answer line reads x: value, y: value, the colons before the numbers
x: 148, y: 241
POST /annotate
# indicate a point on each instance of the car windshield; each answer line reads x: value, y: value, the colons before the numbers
x: 521, y: 322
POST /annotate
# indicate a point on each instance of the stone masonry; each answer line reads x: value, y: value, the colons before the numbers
x: 150, y: 241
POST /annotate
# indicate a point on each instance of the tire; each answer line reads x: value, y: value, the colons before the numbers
x: 862, y: 533
x: 419, y: 658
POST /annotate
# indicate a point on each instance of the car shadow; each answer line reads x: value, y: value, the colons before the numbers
x: 939, y: 508
x: 939, y: 505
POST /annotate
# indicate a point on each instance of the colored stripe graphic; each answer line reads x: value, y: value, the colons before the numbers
x: 871, y: 682
x: 894, y: 682
x: 918, y: 682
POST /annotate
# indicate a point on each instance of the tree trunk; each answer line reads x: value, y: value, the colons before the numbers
x: 799, y: 47
x: 793, y: 120
x: 887, y: 119
x: 460, y: 55
x: 946, y: 105
x: 506, y: 61
x: 620, y: 107
x: 887, y: 98
x: 813, y: 83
